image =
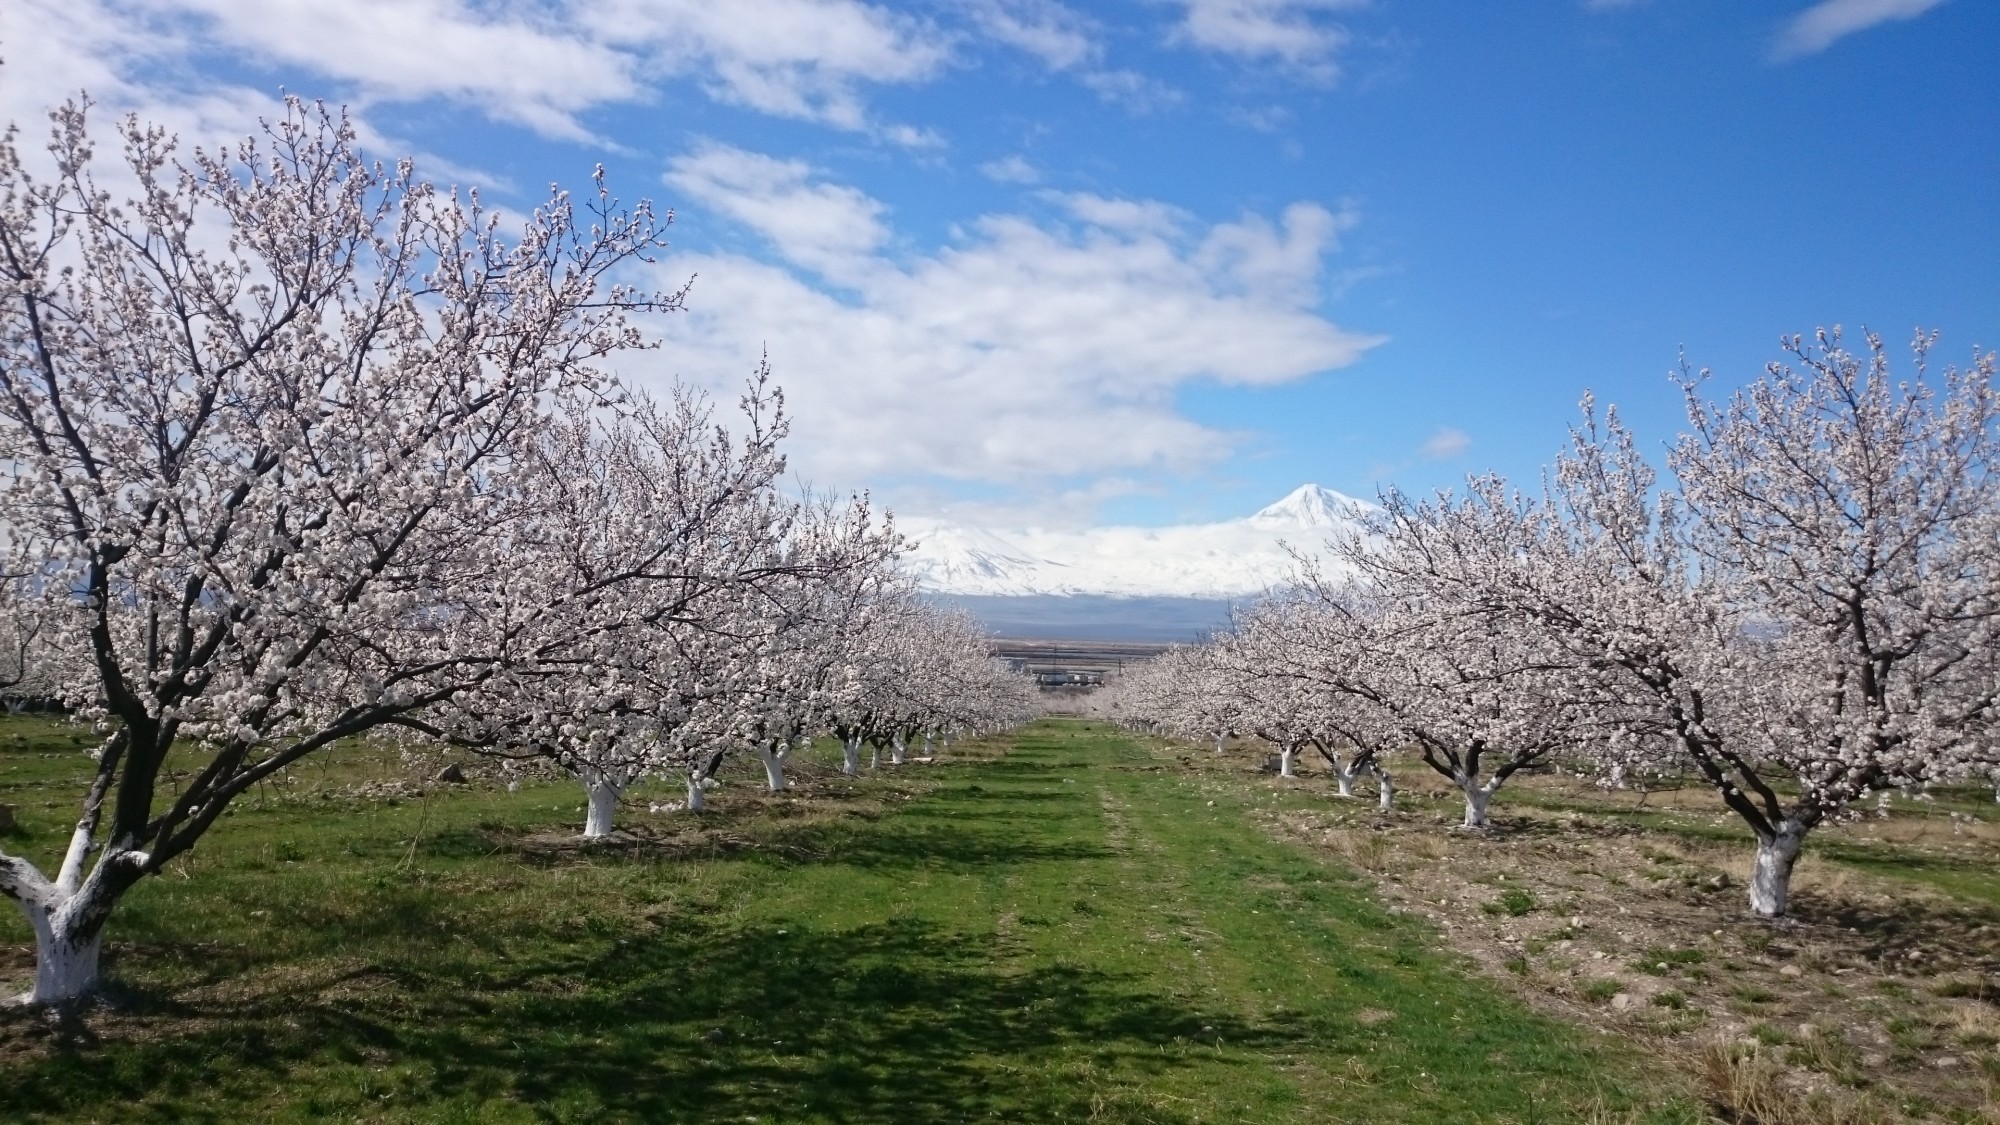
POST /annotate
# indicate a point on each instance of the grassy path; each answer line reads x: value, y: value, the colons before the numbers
x: 1065, y: 933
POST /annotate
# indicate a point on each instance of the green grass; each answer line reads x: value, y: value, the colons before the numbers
x: 1602, y: 990
x: 1065, y: 932
x: 1967, y: 877
x: 1513, y: 902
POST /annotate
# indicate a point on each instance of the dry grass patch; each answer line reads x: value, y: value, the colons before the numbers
x: 1626, y: 912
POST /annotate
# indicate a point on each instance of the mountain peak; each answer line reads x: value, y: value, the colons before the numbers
x: 1313, y: 506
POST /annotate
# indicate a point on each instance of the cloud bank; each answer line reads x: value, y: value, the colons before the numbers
x: 1025, y: 351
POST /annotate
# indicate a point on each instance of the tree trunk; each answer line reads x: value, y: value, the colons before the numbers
x: 927, y: 744
x: 1286, y: 757
x: 850, y: 756
x: 896, y: 750
x: 1218, y: 742
x: 1343, y: 777
x: 71, y: 875
x: 603, y: 808
x: 874, y: 755
x: 1476, y: 798
x: 1771, y: 871
x: 697, y: 796
x: 1385, y: 788
x: 66, y: 947
x: 774, y: 767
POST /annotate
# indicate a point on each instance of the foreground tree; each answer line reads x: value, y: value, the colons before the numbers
x: 1860, y: 516
x: 263, y: 425
x: 1808, y: 619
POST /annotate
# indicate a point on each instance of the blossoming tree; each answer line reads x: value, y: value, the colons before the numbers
x: 257, y: 420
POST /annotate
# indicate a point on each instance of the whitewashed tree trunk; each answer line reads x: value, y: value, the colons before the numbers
x: 1476, y: 799
x: 850, y: 756
x: 697, y: 793
x: 1343, y: 777
x: 1218, y: 741
x: 874, y: 755
x: 1385, y: 791
x: 603, y: 808
x: 65, y: 958
x: 774, y: 766
x: 80, y: 847
x: 68, y: 915
x: 927, y: 744
x: 1771, y: 871
x: 896, y: 750
x: 1286, y: 757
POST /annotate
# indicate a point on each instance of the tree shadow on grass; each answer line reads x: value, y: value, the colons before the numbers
x: 1948, y: 935
x: 959, y: 827
x: 898, y: 1021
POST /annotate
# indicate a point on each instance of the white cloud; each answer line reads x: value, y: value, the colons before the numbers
x: 1010, y: 169
x: 1049, y: 31
x: 538, y: 74
x: 1823, y: 24
x: 1447, y: 443
x: 790, y: 58
x: 1067, y: 41
x: 1022, y: 353
x: 831, y: 229
x: 1284, y: 30
x: 55, y: 49
x: 1057, y: 505
x: 909, y: 136
x: 540, y: 65
x: 1136, y: 216
x: 1286, y: 259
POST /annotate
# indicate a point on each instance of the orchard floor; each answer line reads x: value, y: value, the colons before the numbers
x: 1054, y: 926
x: 1625, y: 911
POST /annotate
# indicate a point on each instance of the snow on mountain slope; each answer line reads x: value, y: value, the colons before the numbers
x: 1233, y: 558
x: 963, y: 560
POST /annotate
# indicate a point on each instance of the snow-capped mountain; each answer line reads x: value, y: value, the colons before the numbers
x: 1311, y: 506
x: 1230, y: 559
x: 967, y: 560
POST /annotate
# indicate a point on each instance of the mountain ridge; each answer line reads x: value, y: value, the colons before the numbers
x: 1228, y: 559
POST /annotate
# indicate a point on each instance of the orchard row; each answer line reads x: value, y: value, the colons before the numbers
x: 1804, y: 611
x: 299, y: 449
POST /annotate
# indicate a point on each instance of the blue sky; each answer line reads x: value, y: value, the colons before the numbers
x: 1029, y: 262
